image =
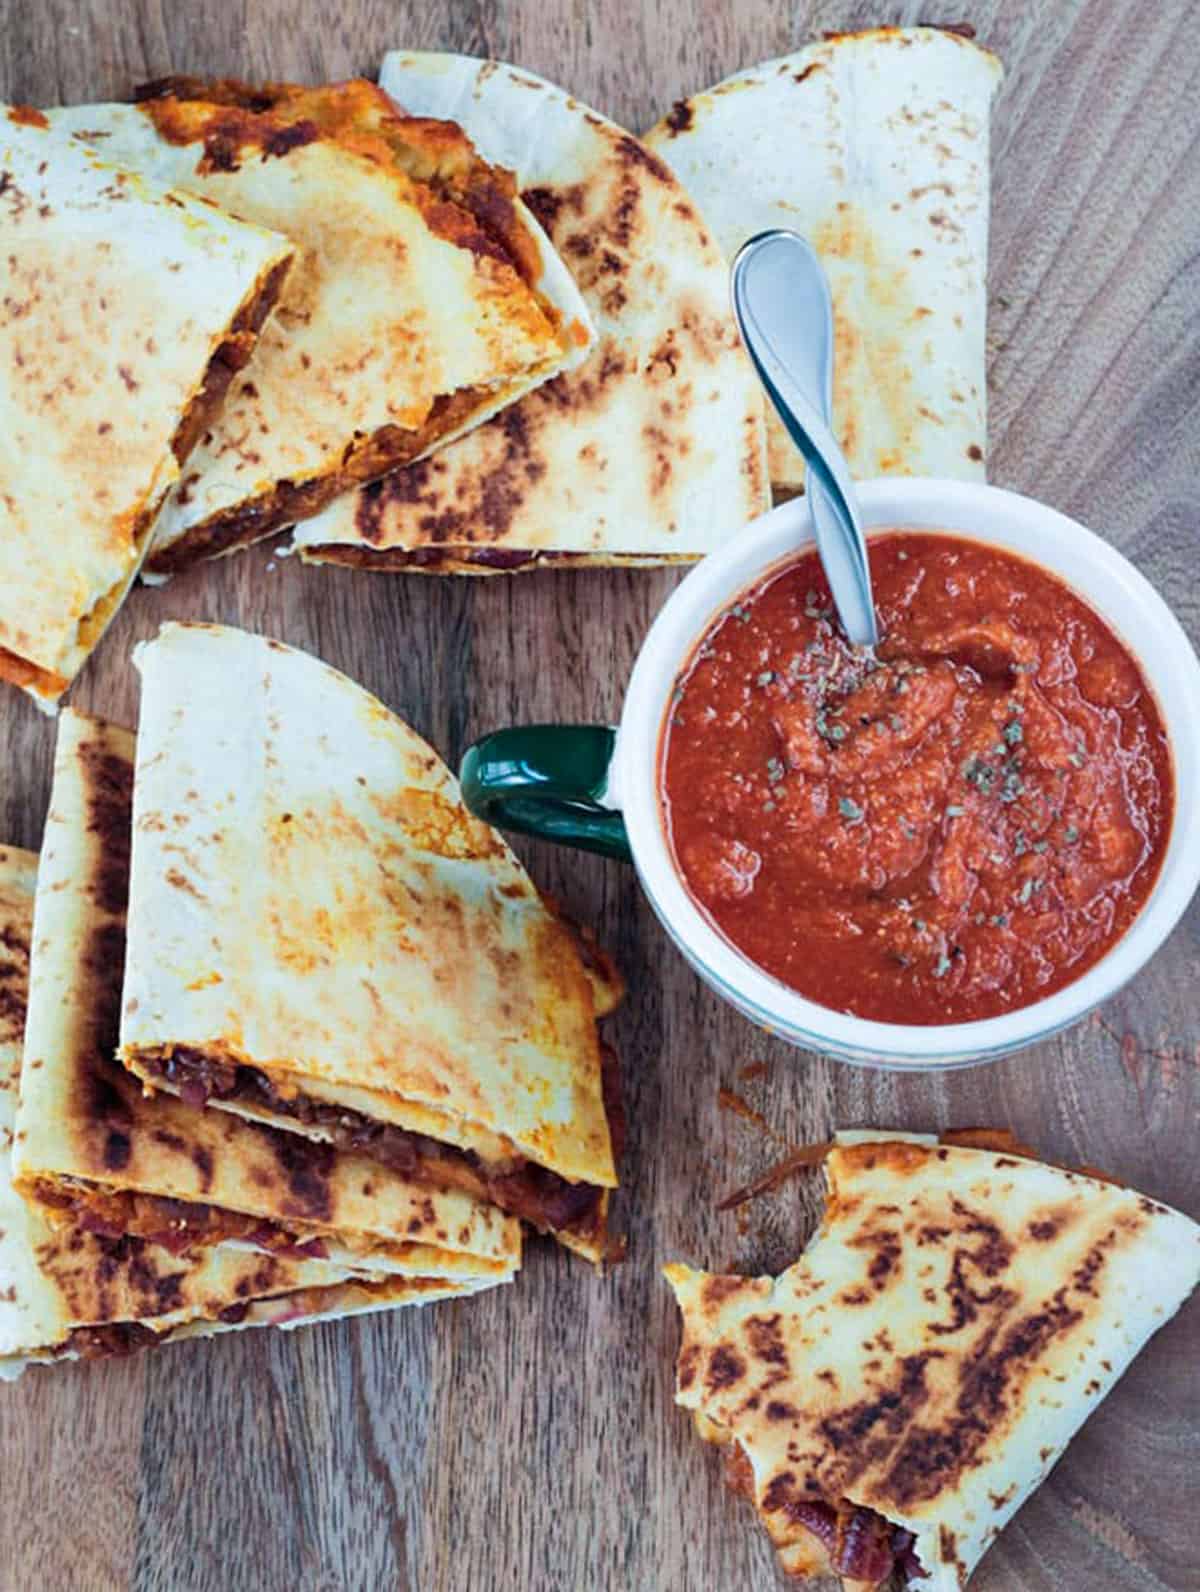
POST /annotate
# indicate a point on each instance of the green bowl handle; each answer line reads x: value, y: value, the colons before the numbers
x: 547, y: 780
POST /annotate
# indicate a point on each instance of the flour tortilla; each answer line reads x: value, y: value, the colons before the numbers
x: 873, y: 146
x: 311, y: 899
x: 652, y: 451
x: 121, y: 305
x: 957, y: 1317
x: 91, y: 1146
x: 71, y: 1293
x: 424, y: 299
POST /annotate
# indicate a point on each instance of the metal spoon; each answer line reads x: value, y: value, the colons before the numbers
x: 781, y: 300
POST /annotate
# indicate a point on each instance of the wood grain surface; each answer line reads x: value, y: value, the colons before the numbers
x: 527, y: 1441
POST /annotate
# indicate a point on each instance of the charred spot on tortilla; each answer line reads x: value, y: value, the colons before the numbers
x: 109, y: 782
x: 306, y: 1167
x: 106, y: 1105
x: 202, y: 1159
x: 117, y: 1150
x: 14, y: 966
x: 765, y: 1338
x: 779, y: 1410
x: 689, y: 1359
x: 725, y: 1367
x: 679, y: 117
x: 12, y: 1010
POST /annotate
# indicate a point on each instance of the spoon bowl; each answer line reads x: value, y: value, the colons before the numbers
x: 785, y: 315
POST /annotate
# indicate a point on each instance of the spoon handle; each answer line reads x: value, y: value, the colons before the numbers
x: 781, y: 300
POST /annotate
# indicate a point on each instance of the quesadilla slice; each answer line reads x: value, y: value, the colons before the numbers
x: 891, y: 1400
x: 124, y: 309
x: 323, y: 938
x: 874, y: 147
x: 425, y: 296
x: 70, y: 1294
x: 649, y: 452
x: 93, y: 1151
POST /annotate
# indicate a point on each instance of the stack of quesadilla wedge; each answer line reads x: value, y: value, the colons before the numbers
x: 321, y: 937
x: 892, y: 1399
x: 70, y: 1293
x: 873, y: 146
x: 652, y: 450
x: 92, y: 1151
x: 124, y: 309
x: 425, y: 297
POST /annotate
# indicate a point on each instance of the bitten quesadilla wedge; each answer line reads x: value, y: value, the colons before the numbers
x: 873, y: 146
x: 93, y: 1150
x: 322, y: 937
x: 425, y: 297
x: 124, y: 308
x: 652, y: 450
x: 892, y: 1399
x: 70, y: 1294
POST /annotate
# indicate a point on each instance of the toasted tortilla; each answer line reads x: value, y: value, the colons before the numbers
x: 650, y: 452
x: 70, y: 1294
x: 424, y: 299
x: 956, y: 1318
x: 92, y: 1149
x: 312, y: 903
x: 123, y: 308
x: 873, y: 146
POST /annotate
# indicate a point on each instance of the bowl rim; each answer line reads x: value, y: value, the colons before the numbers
x: 1064, y: 547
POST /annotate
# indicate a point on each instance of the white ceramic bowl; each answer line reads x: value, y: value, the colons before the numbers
x: 1004, y: 519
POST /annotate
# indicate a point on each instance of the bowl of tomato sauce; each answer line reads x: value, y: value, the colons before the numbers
x: 933, y: 853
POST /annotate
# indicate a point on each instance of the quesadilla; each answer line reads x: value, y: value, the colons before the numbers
x: 873, y: 146
x: 93, y: 1151
x: 124, y: 308
x: 75, y: 1294
x: 652, y: 450
x: 892, y: 1399
x: 424, y: 298
x: 323, y: 938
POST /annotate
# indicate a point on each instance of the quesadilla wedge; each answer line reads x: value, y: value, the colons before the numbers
x: 873, y: 146
x: 93, y: 1151
x: 891, y: 1400
x: 652, y: 450
x: 322, y: 937
x: 124, y: 308
x: 425, y: 296
x: 72, y: 1294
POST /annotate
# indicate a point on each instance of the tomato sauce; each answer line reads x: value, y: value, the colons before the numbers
x: 952, y: 829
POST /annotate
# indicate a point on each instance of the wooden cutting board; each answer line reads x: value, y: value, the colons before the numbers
x: 526, y: 1441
